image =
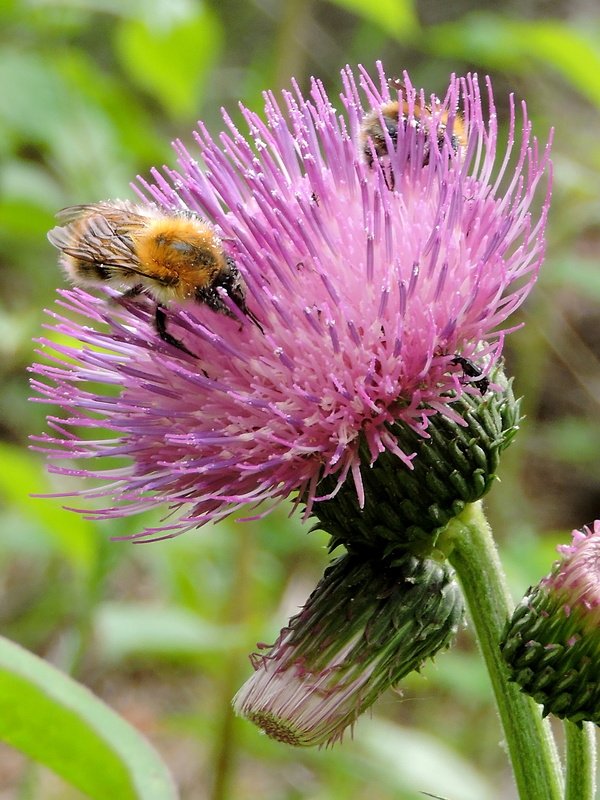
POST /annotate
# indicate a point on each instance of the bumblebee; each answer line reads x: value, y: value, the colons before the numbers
x: 372, y: 137
x: 170, y: 257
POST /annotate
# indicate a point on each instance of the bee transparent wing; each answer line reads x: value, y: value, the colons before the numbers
x: 118, y: 254
x: 59, y: 237
x: 118, y: 212
x: 99, y: 241
x: 72, y: 213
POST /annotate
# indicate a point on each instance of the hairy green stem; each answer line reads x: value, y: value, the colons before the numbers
x: 581, y: 761
x: 530, y: 744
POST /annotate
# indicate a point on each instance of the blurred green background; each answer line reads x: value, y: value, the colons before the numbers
x: 91, y: 94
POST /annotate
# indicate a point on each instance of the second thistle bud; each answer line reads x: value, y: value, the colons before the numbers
x: 366, y: 625
x: 552, y: 643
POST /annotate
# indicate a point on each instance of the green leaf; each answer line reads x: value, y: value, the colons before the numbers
x: 20, y: 477
x: 124, y: 630
x: 81, y: 122
x: 380, y: 744
x: 60, y: 723
x: 503, y: 43
x: 396, y: 17
x: 171, y: 63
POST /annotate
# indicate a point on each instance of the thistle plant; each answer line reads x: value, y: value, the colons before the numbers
x: 552, y: 641
x: 382, y: 266
x: 365, y: 296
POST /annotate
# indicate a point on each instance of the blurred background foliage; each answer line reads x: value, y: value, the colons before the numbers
x: 91, y: 94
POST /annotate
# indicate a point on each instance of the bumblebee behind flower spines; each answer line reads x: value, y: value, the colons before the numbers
x: 372, y: 137
x: 170, y: 257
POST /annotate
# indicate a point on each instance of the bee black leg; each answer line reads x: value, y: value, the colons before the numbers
x: 133, y: 292
x: 254, y: 319
x: 389, y: 182
x: 161, y: 327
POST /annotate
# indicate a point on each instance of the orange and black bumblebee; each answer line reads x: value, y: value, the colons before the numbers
x: 372, y: 137
x: 170, y: 257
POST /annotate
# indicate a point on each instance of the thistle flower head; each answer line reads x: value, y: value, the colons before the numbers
x: 552, y: 643
x: 365, y: 293
x: 576, y: 578
x: 368, y: 623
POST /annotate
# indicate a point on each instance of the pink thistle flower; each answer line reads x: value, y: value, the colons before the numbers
x: 552, y: 643
x: 365, y: 294
x: 576, y: 577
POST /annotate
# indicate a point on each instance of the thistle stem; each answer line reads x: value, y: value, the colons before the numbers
x: 530, y: 744
x: 581, y: 761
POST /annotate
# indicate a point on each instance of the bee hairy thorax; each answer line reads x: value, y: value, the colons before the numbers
x: 184, y: 260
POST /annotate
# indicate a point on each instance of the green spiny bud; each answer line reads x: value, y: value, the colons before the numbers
x: 552, y: 642
x: 365, y: 626
x: 454, y: 465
